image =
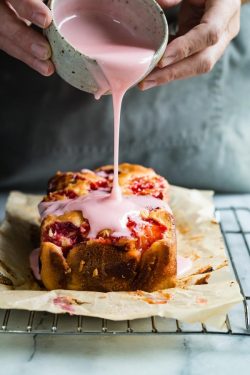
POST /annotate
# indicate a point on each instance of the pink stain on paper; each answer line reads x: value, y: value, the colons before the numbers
x: 201, y: 301
x: 65, y: 303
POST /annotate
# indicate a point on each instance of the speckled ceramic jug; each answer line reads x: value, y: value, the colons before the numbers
x: 75, y: 67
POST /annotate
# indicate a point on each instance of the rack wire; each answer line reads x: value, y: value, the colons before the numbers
x: 235, y: 227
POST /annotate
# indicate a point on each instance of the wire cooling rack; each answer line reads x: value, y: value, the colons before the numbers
x: 235, y: 227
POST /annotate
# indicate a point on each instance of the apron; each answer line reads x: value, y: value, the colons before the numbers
x: 195, y: 132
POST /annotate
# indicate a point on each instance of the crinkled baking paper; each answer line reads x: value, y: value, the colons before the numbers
x: 204, y: 294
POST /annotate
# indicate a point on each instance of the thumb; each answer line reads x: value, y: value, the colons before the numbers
x: 168, y: 3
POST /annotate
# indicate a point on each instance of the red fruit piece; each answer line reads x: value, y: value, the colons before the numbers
x: 63, y: 234
x: 141, y: 184
x: 148, y: 186
x: 147, y: 232
x: 85, y: 228
x: 103, y: 184
x: 132, y: 227
x: 158, y: 195
x: 70, y: 194
x: 157, y: 229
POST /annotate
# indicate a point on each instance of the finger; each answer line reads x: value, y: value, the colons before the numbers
x: 225, y: 9
x: 168, y: 3
x: 28, y: 23
x: 201, y: 63
x: 20, y: 34
x: 33, y: 10
x: 233, y: 27
x: 206, y: 34
x: 45, y: 68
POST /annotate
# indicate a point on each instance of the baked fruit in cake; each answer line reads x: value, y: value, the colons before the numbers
x: 144, y: 260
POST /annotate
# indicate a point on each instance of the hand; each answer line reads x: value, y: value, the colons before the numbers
x: 206, y: 27
x: 21, y: 41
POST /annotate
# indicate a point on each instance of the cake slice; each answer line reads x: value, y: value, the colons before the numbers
x: 143, y: 260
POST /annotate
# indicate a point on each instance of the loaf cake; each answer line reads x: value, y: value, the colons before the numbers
x: 143, y: 260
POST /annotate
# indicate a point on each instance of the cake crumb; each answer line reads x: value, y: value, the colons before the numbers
x: 81, y: 265
x: 203, y: 280
x: 95, y: 272
x: 214, y: 221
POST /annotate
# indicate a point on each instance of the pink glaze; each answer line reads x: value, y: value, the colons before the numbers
x: 103, y: 212
x: 124, y: 56
x: 34, y: 263
x: 183, y: 265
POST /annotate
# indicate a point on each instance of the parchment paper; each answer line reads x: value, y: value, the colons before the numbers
x: 204, y: 294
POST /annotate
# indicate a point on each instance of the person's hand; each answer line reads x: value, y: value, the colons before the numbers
x: 21, y: 41
x: 206, y: 27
